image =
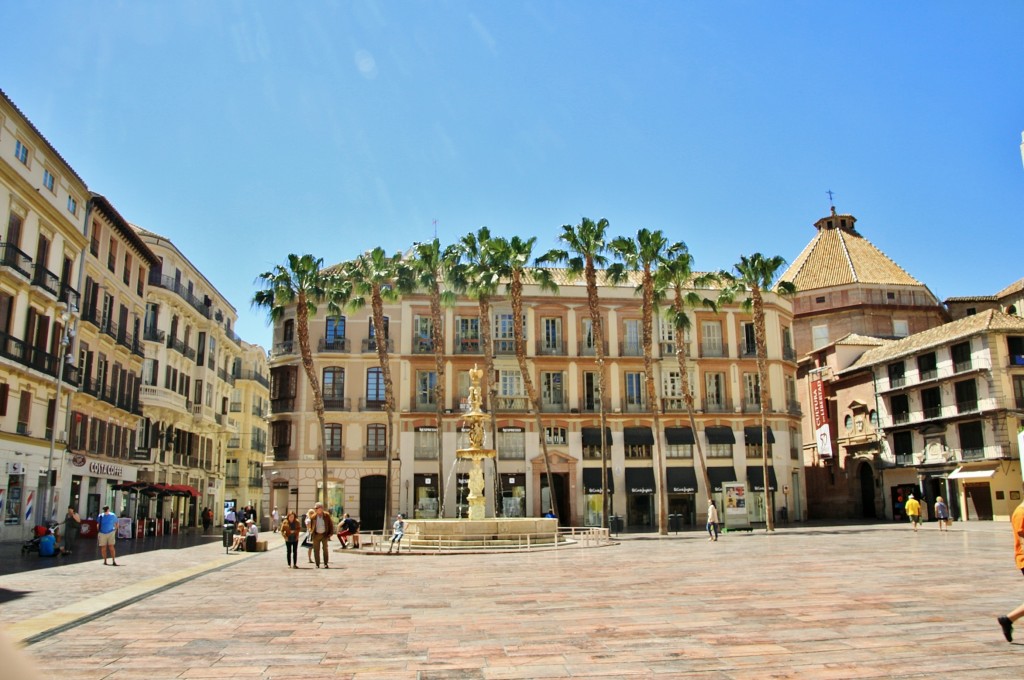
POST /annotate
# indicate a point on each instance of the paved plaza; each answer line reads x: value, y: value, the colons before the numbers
x: 852, y: 601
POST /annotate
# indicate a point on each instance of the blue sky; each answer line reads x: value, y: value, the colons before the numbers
x: 245, y: 131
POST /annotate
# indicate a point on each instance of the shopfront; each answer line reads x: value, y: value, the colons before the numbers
x: 755, y: 482
x: 681, y: 486
x: 717, y: 476
x: 513, y: 494
x: 89, y: 484
x: 640, y: 513
x: 425, y: 496
x: 592, y: 499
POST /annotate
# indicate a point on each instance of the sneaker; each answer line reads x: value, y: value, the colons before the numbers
x: 326, y: 566
x: 1007, y: 625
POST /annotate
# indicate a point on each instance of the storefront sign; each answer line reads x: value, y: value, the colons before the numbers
x: 102, y: 468
x: 124, y: 527
x: 819, y: 412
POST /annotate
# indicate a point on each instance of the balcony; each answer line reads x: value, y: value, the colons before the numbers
x: 718, y: 406
x: 370, y: 345
x: 746, y: 350
x: 176, y: 287
x: 282, y: 405
x: 371, y: 404
x: 152, y: 396
x: 281, y: 451
x: 634, y: 407
x: 969, y: 406
x: 150, y: 334
x: 333, y: 345
x: 631, y: 349
x: 230, y: 480
x: 335, y: 453
x: 235, y: 407
x: 551, y: 348
x: 13, y: 258
x: 235, y: 443
x: 788, y: 353
x: 46, y: 280
x: 467, y: 345
x: 675, y: 404
x: 962, y: 366
x: 505, y: 346
x: 511, y: 403
x: 255, y: 482
x: 69, y: 296
x: 752, y: 406
x: 337, y: 404
x: 554, y: 407
x: 589, y: 349
x: 375, y: 452
x: 930, y: 374
x: 901, y: 418
x: 283, y: 348
x: 420, y: 406
x: 668, y: 349
x: 793, y: 407
x: 897, y: 382
x: 904, y: 458
x: 712, y: 350
x: 253, y: 375
x: 932, y: 412
x: 422, y: 345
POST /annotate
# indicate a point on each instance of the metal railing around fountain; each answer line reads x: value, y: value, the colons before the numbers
x: 420, y: 543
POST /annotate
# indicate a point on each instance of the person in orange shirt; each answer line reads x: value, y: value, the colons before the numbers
x: 1017, y: 522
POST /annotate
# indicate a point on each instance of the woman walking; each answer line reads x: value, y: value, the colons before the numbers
x: 942, y: 513
x: 712, y: 525
x: 308, y: 540
x: 291, y: 529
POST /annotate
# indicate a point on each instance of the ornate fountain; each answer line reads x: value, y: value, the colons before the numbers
x: 476, y: 452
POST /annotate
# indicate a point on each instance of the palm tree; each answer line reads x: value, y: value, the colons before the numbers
x: 511, y: 262
x: 305, y: 284
x: 645, y: 254
x: 476, y: 276
x: 585, y: 251
x: 677, y: 273
x: 756, y: 274
x: 430, y: 267
x: 376, y: 278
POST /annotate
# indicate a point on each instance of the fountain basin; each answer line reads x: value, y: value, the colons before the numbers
x: 496, y: 532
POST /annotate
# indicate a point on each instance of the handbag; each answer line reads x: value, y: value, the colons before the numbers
x: 307, y: 542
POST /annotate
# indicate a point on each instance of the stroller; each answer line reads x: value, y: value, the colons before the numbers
x: 32, y: 544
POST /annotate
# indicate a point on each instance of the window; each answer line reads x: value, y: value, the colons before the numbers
x: 421, y: 340
x: 126, y: 275
x: 711, y: 338
x: 555, y: 436
x: 903, y: 447
x: 634, y: 397
x: 631, y: 344
x: 426, y: 383
x: 510, y: 383
x: 899, y: 406
x: 787, y: 343
x: 332, y: 441
x: 374, y: 388
x: 335, y: 331
x: 467, y: 334
x: 966, y: 396
x: 504, y: 342
x: 94, y: 240
x: 679, y: 450
x: 972, y: 442
x: 48, y: 180
x: 425, y: 443
x: 21, y: 152
x: 376, y: 441
x: 900, y: 328
x: 24, y: 412
x: 588, y: 343
x: 139, y: 282
x: 819, y: 336
x: 552, y: 396
x: 72, y: 205
x: 961, y: 356
x: 751, y: 390
x: 714, y: 392
x: 112, y: 254
x: 719, y: 450
x: 387, y: 328
x: 591, y: 392
x: 334, y: 387
x: 551, y: 335
x: 748, y: 347
x: 511, y: 443
x: 791, y: 401
x: 927, y: 366
x: 897, y: 374
x: 1018, y: 391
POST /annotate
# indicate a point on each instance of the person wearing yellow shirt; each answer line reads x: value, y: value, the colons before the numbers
x: 913, y: 510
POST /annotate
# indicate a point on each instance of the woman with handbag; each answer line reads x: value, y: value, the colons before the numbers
x: 290, y: 529
x: 307, y: 540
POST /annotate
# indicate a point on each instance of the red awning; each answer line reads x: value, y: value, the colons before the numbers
x: 183, y: 490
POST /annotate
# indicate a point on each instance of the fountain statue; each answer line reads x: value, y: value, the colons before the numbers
x: 476, y: 451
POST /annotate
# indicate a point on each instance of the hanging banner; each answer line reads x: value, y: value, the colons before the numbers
x: 819, y: 413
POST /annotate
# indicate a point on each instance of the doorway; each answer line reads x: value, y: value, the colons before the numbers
x: 371, y: 502
x: 561, y: 496
x: 867, y: 491
x: 979, y: 501
x: 640, y: 511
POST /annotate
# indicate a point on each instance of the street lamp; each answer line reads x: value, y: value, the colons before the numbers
x: 65, y: 340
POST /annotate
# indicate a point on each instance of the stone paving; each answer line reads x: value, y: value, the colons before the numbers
x: 859, y: 601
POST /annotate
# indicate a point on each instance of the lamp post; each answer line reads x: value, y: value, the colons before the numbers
x: 65, y: 340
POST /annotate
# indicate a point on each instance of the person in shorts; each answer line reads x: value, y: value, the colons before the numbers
x: 1017, y: 522
x: 107, y: 534
x: 913, y: 510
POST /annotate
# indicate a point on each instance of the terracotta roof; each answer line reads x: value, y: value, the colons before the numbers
x: 987, y: 321
x: 860, y: 340
x: 1012, y: 289
x: 838, y: 256
x: 122, y: 225
x: 970, y: 298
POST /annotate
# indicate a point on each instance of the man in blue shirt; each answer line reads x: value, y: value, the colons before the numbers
x: 107, y: 533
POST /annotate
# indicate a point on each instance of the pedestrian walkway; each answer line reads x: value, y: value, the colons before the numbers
x: 853, y: 601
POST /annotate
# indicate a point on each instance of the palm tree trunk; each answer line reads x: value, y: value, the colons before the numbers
x: 595, y: 320
x: 652, y: 398
x: 302, y: 326
x: 762, y: 372
x: 377, y: 305
x: 682, y: 356
x: 437, y: 339
x: 516, y: 290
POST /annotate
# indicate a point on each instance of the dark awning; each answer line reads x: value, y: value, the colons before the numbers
x: 592, y: 436
x: 681, y: 480
x: 639, y: 480
x: 752, y: 436
x: 592, y: 481
x: 637, y: 436
x: 718, y: 475
x: 755, y: 478
x: 720, y: 435
x: 679, y: 436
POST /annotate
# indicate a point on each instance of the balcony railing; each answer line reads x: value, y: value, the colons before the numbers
x: 511, y: 403
x: 723, y: 406
x: 370, y: 345
x: 335, y: 453
x: 793, y: 406
x: 467, y: 345
x: 746, y: 350
x: 69, y: 296
x: 333, y: 345
x: 633, y: 407
x: 712, y: 351
x: 231, y: 480
x: 930, y: 374
x: 422, y: 345
x: 897, y: 382
x: 235, y: 406
x: 554, y: 407
x: 788, y: 353
x: 969, y: 406
x: 337, y: 404
x: 668, y: 349
x: 673, y: 404
x: 282, y: 405
x: 505, y: 346
x: 589, y: 349
x: 961, y: 366
x: 901, y: 418
x: 371, y: 404
x: 932, y: 412
x: 12, y: 257
x: 253, y: 375
x: 153, y: 334
x: 630, y: 349
x: 374, y: 452
x: 169, y: 283
x: 46, y: 280
x: 552, y: 348
x: 419, y: 406
x: 255, y: 481
x: 904, y: 458
x: 235, y: 443
x: 751, y: 406
x: 281, y: 452
x: 283, y: 348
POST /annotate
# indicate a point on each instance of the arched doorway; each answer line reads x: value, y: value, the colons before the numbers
x: 371, y: 502
x: 867, y: 491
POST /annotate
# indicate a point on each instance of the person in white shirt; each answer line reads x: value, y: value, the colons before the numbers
x: 275, y: 519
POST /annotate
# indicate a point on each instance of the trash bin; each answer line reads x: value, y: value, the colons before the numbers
x: 616, y: 524
x: 674, y: 522
x: 229, y: 534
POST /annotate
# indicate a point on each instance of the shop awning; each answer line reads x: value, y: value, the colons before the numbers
x: 592, y: 481
x: 639, y: 480
x: 183, y: 490
x: 752, y: 436
x: 637, y: 436
x: 679, y: 436
x: 592, y: 436
x: 755, y: 478
x: 129, y: 486
x: 718, y: 475
x: 720, y: 435
x: 972, y: 473
x: 681, y: 480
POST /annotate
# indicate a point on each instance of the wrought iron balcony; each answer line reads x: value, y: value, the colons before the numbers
x: 13, y: 258
x: 333, y: 345
x: 47, y: 280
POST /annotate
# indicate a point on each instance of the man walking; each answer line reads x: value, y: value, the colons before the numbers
x: 275, y: 519
x: 1017, y: 523
x: 107, y: 534
x: 913, y: 510
x: 320, y: 529
x: 399, y: 531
